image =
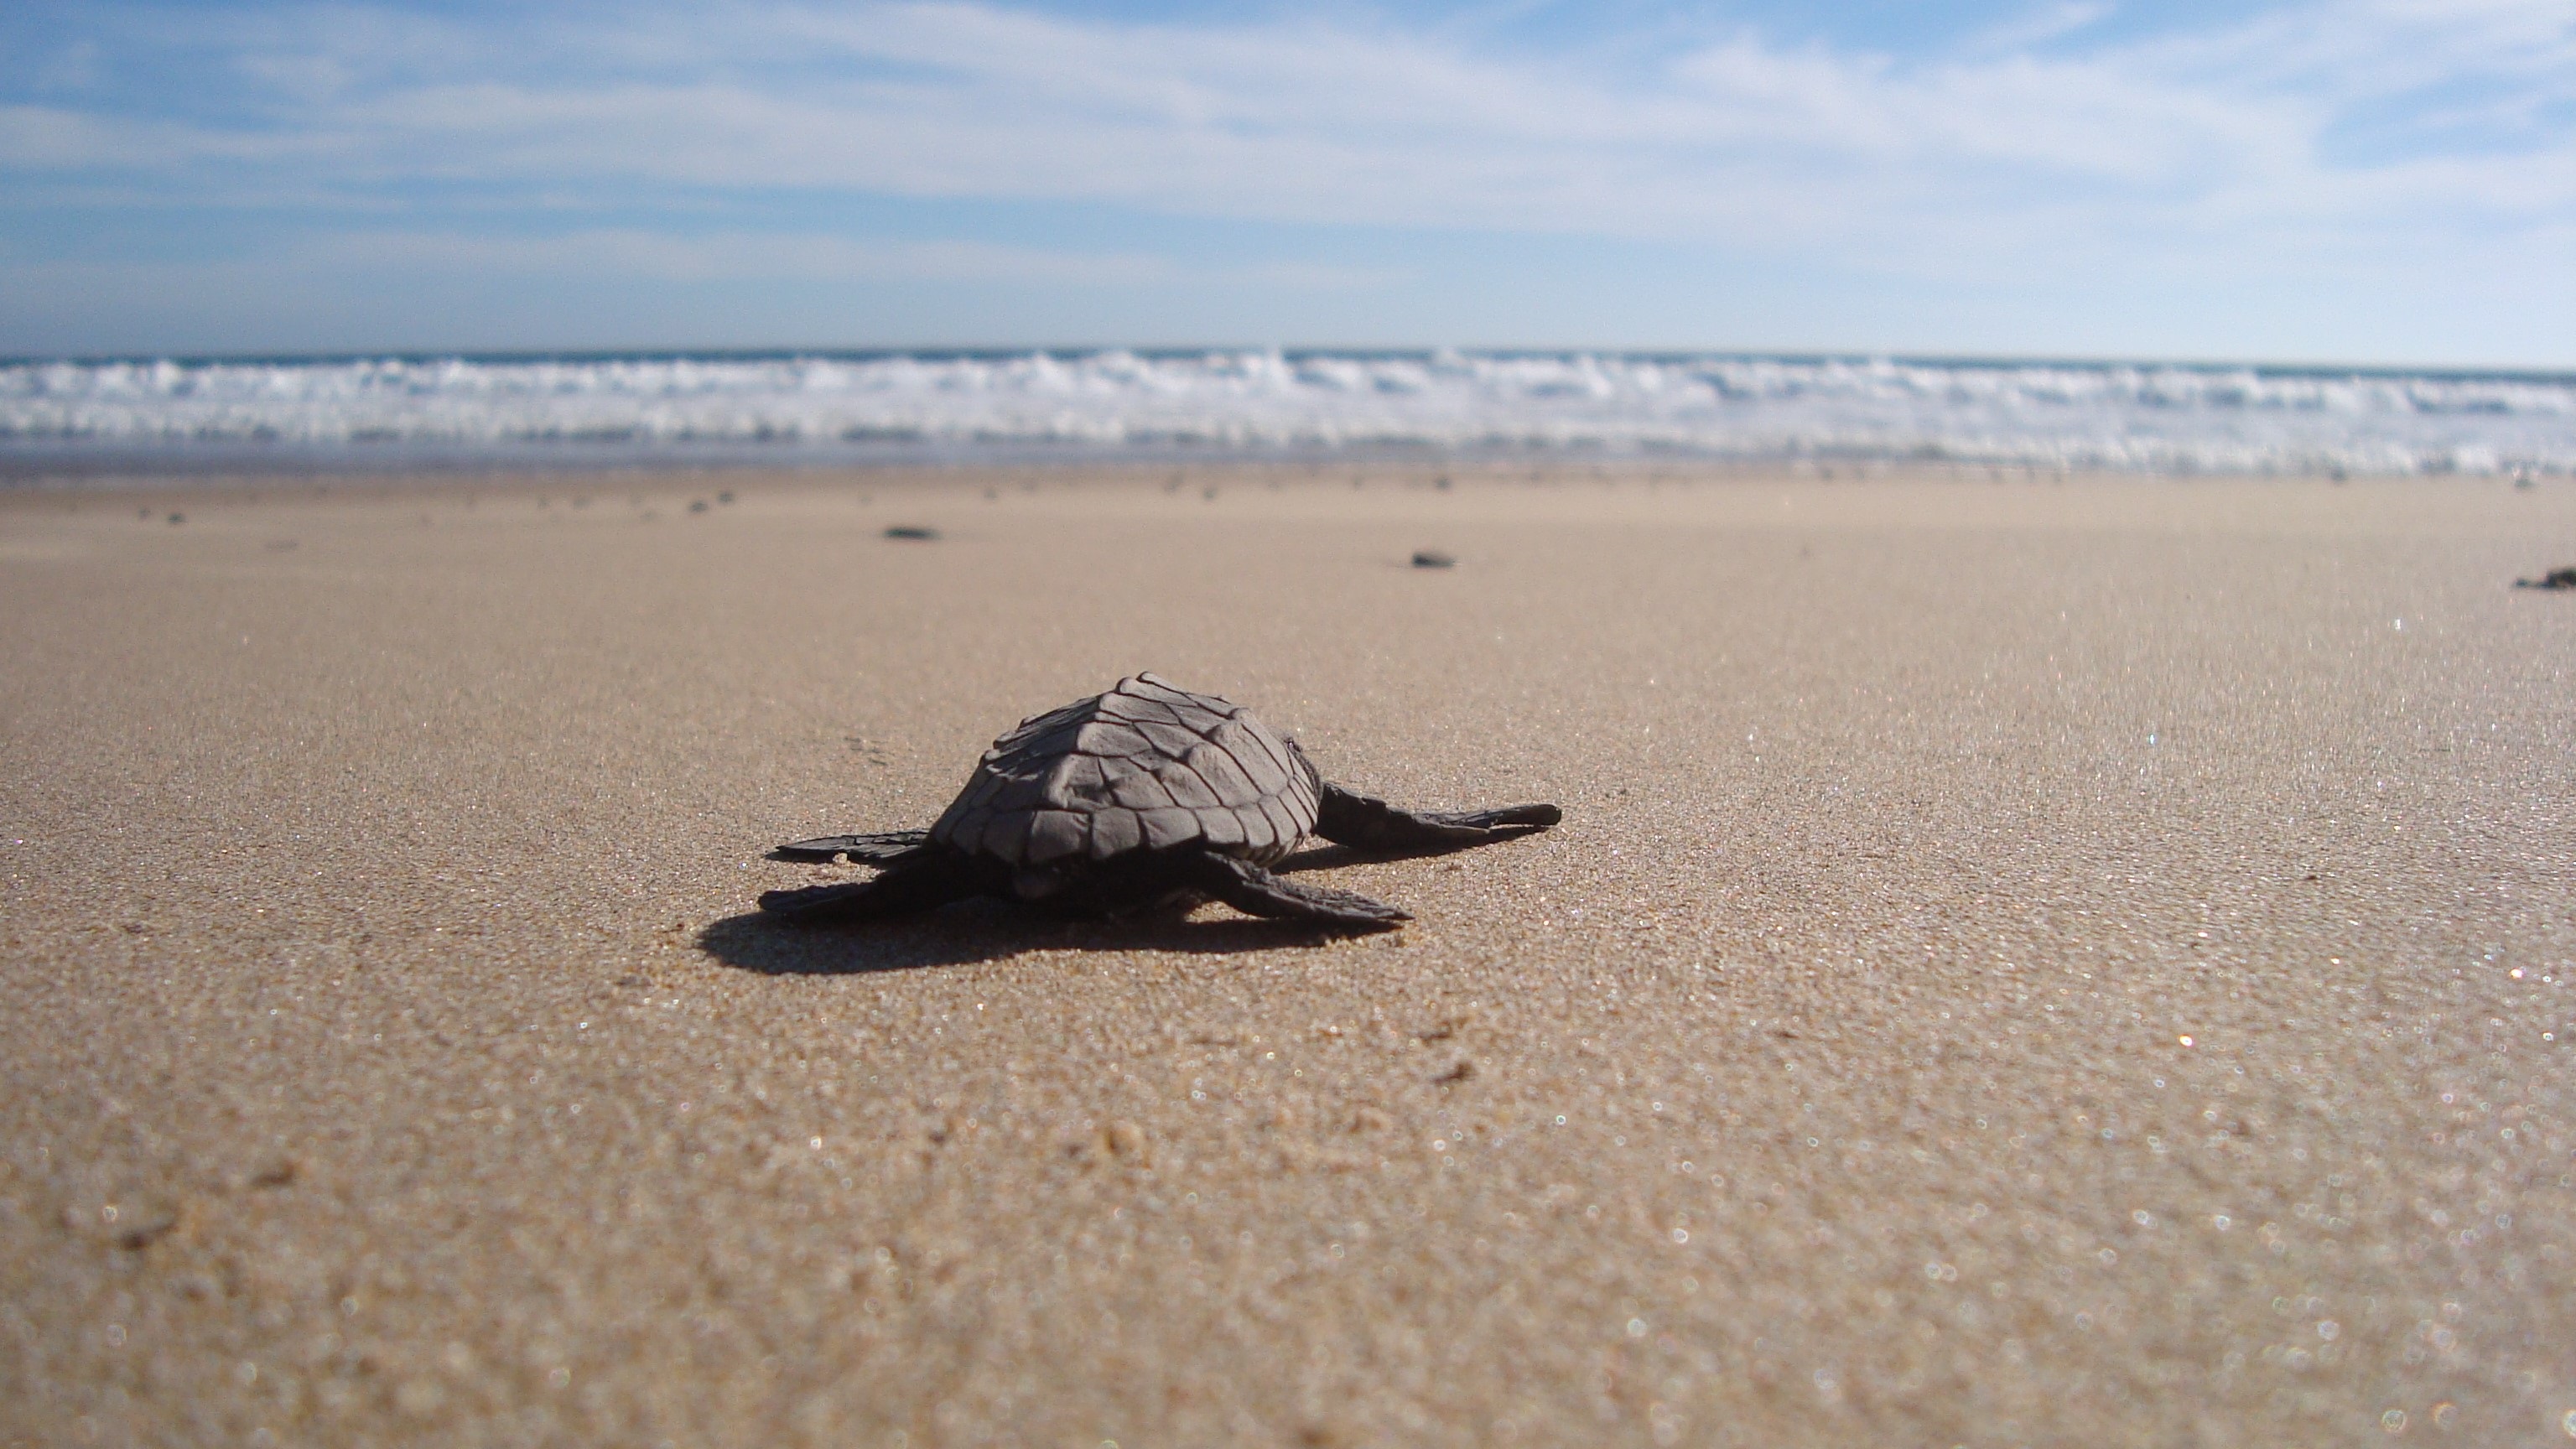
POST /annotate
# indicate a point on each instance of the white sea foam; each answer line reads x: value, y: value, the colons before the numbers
x: 2141, y: 418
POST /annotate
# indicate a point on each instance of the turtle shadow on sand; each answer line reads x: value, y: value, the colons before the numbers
x: 975, y: 931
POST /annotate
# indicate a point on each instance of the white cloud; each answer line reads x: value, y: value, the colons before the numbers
x: 2049, y: 22
x: 732, y: 256
x: 2037, y: 151
x: 1324, y: 123
x: 56, y: 139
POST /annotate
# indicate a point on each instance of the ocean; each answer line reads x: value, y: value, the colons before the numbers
x: 69, y: 418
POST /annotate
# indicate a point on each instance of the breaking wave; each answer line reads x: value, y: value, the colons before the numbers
x: 2132, y: 417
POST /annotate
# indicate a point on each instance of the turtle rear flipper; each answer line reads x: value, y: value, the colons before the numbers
x: 909, y: 887
x: 1364, y: 822
x: 1256, y: 892
x: 881, y: 849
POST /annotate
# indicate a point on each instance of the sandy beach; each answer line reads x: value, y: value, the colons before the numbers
x: 2026, y: 962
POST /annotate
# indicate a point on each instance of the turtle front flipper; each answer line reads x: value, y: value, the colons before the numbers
x: 912, y: 885
x: 1256, y: 892
x: 881, y: 849
x: 1364, y: 822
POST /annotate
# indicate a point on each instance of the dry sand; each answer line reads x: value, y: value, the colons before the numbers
x: 2025, y: 963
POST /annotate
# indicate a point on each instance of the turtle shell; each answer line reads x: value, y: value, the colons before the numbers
x: 1142, y: 767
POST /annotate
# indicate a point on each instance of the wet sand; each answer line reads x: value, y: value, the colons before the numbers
x: 2024, y: 963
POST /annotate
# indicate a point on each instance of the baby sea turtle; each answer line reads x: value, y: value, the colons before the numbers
x: 1145, y: 796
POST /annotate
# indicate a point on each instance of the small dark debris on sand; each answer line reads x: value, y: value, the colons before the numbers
x: 725, y: 497
x: 135, y: 1240
x: 697, y: 505
x: 178, y: 518
x: 913, y: 532
x: 1432, y: 558
x: 2554, y: 579
x: 277, y: 1174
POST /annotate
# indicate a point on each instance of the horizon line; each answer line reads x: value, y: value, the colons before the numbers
x: 2558, y: 372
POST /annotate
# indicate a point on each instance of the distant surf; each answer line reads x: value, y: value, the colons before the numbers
x: 77, y: 416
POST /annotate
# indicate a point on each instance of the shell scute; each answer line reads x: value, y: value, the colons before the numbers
x: 1111, y: 739
x: 1188, y: 789
x: 1052, y: 743
x: 1259, y: 835
x: 1170, y: 739
x: 1034, y: 726
x: 1055, y: 834
x: 1079, y: 782
x: 1223, y: 775
x: 1114, y: 832
x: 1283, y: 819
x: 1168, y: 827
x: 1156, y: 688
x: 1134, y: 708
x: 1281, y: 753
x: 1139, y: 789
x: 1221, y: 826
x: 961, y: 826
x: 1267, y: 772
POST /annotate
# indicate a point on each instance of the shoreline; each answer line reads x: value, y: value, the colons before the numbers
x: 1399, y: 470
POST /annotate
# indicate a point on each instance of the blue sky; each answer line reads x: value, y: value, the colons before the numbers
x: 2370, y: 182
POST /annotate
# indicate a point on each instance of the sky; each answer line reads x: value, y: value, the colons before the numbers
x: 2389, y: 182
